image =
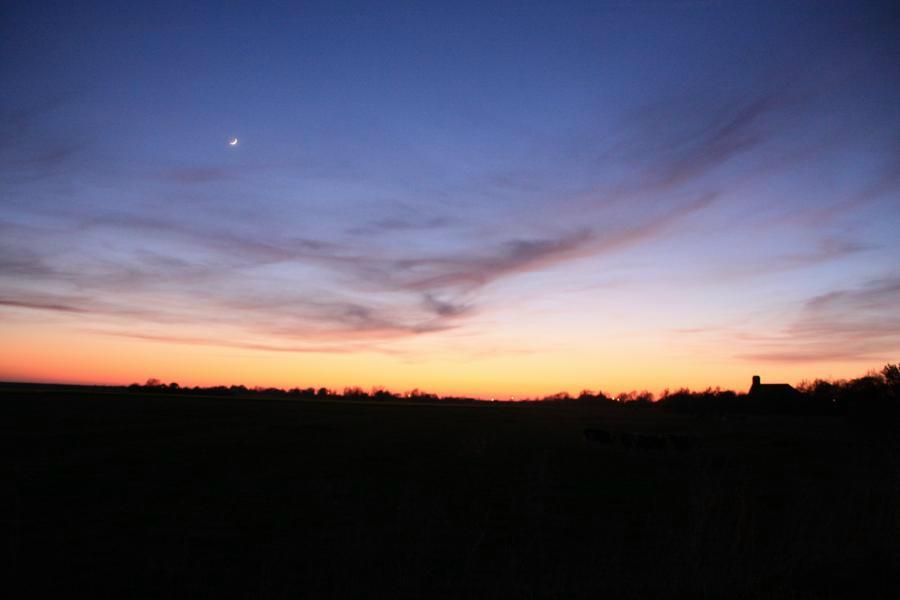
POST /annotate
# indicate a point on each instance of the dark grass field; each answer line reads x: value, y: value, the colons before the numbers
x: 140, y: 495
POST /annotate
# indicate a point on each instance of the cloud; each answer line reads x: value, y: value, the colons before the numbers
x: 196, y: 175
x: 122, y: 308
x: 341, y: 348
x: 445, y: 308
x: 848, y: 324
x: 681, y: 152
x: 827, y: 250
x: 472, y: 270
x: 228, y: 245
x: 28, y: 150
x: 674, y: 142
x: 22, y: 262
x: 399, y: 270
x: 393, y: 225
x: 40, y: 305
x: 887, y: 181
x: 512, y: 256
x: 176, y: 273
x: 409, y: 271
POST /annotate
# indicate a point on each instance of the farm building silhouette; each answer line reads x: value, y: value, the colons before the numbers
x: 773, y: 395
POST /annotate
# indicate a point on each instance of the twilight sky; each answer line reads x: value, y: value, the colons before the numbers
x: 504, y: 199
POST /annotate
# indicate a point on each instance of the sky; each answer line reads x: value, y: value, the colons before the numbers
x: 490, y: 199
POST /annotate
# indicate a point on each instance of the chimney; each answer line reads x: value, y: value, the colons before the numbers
x: 756, y: 381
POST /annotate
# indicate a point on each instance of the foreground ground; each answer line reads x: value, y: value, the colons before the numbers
x: 173, y: 496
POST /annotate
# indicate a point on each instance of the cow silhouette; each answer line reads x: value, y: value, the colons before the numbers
x: 597, y: 436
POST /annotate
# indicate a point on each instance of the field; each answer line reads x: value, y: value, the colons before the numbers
x: 141, y: 495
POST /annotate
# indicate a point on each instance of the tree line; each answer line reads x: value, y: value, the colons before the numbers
x: 876, y: 393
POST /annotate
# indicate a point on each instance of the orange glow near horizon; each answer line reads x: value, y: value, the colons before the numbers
x: 57, y: 355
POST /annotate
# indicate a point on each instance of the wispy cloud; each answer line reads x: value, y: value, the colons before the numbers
x: 848, y: 324
x: 399, y: 224
x: 404, y: 268
x: 198, y: 175
x: 825, y: 251
x: 36, y: 304
x: 167, y: 270
x: 28, y: 150
x: 684, y: 140
x: 341, y: 348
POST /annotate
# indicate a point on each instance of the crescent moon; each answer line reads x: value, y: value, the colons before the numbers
x: 233, y: 142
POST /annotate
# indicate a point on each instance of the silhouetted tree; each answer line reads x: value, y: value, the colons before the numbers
x: 303, y: 393
x: 891, y: 374
x: 642, y: 398
x: 707, y: 402
x: 379, y: 393
x: 355, y: 392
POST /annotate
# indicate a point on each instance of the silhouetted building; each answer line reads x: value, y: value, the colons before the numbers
x: 778, y: 397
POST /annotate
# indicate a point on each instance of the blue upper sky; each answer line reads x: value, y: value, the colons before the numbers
x: 692, y: 182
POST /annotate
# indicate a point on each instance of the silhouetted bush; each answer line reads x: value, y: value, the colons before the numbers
x: 707, y: 402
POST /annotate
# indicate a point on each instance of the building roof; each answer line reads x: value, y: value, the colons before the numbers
x: 772, y: 390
